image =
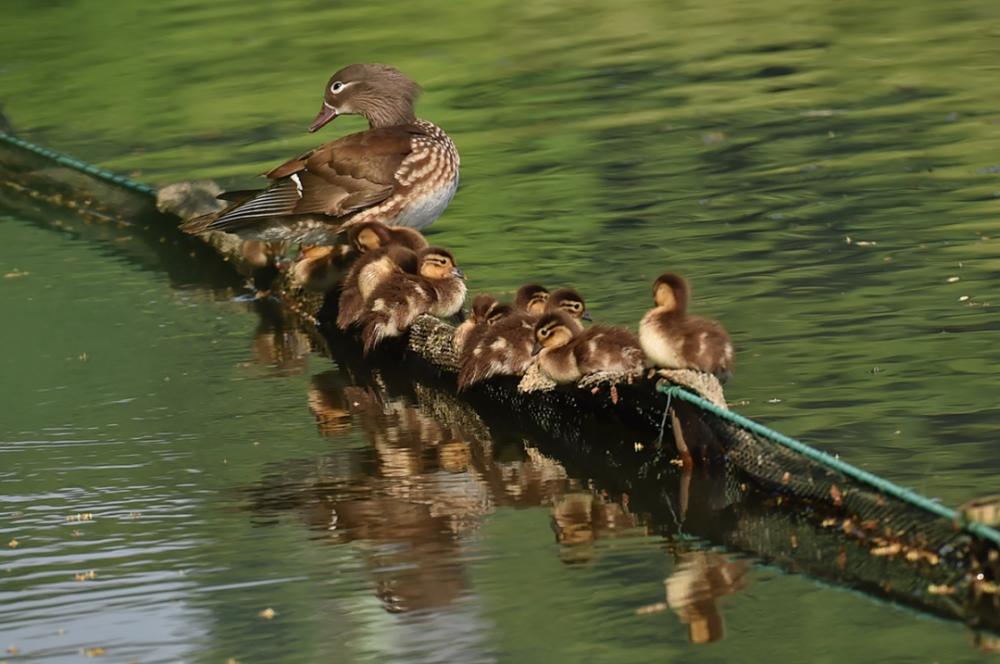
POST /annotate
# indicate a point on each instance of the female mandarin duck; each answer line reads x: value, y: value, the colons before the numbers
x: 674, y: 340
x: 384, y: 251
x: 439, y: 290
x: 566, y: 354
x: 504, y: 349
x: 403, y: 171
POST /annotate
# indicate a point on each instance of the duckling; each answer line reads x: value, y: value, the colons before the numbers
x: 439, y: 290
x: 531, y: 298
x: 674, y: 340
x: 493, y: 315
x: 384, y: 251
x: 321, y: 268
x: 568, y: 300
x: 264, y: 254
x: 566, y: 354
x: 505, y: 348
x: 478, y: 314
x: 372, y: 235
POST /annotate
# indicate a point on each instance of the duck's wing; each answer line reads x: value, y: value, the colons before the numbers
x: 335, y: 179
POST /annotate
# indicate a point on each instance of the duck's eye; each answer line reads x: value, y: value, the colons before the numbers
x: 336, y: 87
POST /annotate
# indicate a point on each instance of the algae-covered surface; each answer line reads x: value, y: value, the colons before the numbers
x: 825, y: 175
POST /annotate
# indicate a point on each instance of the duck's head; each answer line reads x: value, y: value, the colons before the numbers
x: 671, y: 293
x: 553, y: 330
x: 531, y: 298
x: 369, y: 236
x: 481, y: 305
x: 438, y: 263
x: 382, y: 94
x: 568, y: 300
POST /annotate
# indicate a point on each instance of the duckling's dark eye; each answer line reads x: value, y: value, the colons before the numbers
x: 336, y: 87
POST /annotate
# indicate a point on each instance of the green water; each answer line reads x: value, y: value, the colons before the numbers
x: 602, y: 144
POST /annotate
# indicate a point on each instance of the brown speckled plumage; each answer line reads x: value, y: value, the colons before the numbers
x: 384, y: 251
x: 566, y: 354
x: 478, y: 315
x: 505, y: 348
x: 439, y: 290
x: 403, y: 171
x: 674, y: 340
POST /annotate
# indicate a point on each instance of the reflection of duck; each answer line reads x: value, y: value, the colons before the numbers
x: 403, y: 171
x: 505, y: 349
x: 384, y: 251
x: 674, y: 340
x: 439, y: 290
x: 566, y: 354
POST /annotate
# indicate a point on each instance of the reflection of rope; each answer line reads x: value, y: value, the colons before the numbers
x: 824, y: 459
x: 78, y: 165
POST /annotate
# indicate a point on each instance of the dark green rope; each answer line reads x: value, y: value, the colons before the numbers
x: 79, y: 165
x: 885, y: 486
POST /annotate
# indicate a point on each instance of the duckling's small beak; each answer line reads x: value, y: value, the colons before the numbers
x: 537, y: 349
x: 326, y: 113
x: 586, y: 316
x: 457, y: 272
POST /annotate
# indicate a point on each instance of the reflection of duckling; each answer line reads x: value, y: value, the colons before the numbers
x: 693, y: 588
x: 321, y: 268
x: 384, y: 251
x: 478, y: 314
x: 674, y: 340
x: 505, y: 348
x: 438, y: 290
x: 565, y: 355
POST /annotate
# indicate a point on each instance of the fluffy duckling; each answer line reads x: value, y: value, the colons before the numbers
x: 674, y: 340
x: 568, y: 300
x: 373, y: 235
x: 566, y: 354
x: 384, y: 251
x: 438, y: 289
x: 531, y: 298
x: 321, y: 268
x: 478, y: 315
x: 504, y: 349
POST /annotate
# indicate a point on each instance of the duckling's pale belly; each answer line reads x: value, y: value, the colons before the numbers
x: 661, y: 349
x: 559, y: 364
